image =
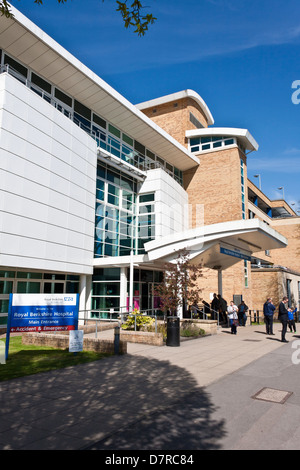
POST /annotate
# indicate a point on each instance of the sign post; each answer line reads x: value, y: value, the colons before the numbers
x: 41, y: 312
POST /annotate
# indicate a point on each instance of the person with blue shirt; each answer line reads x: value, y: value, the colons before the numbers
x: 269, y: 309
x: 291, y: 320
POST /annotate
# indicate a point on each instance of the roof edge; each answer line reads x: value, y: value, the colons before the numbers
x: 177, y: 96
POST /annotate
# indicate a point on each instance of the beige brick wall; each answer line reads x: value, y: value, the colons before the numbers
x: 216, y: 183
x: 62, y: 342
x: 233, y: 283
x: 174, y: 117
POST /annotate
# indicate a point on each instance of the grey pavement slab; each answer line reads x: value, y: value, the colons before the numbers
x: 196, y: 396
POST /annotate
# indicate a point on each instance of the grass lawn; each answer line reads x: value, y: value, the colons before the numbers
x: 28, y: 359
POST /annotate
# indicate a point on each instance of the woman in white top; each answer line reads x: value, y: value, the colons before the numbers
x: 233, y: 317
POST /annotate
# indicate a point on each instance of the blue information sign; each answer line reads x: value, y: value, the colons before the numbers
x: 41, y: 312
x: 236, y: 254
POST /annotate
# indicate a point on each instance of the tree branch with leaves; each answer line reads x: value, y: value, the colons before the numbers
x: 132, y: 13
x: 180, y: 284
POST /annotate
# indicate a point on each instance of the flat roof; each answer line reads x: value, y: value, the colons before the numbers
x: 25, y: 41
x: 242, y: 134
x: 178, y: 96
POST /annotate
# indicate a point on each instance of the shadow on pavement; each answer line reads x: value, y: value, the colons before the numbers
x: 122, y: 402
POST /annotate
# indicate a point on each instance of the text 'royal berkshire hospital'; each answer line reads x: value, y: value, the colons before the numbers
x: 97, y: 193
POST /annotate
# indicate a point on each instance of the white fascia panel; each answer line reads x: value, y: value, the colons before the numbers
x: 47, y: 209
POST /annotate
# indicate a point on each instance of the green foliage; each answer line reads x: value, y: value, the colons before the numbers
x: 189, y: 328
x: 131, y: 15
x: 137, y: 319
x: 180, y: 284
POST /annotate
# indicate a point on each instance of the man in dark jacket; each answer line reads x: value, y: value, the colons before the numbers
x: 283, y: 316
x: 269, y: 309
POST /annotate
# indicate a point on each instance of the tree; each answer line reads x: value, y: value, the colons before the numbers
x: 180, y: 284
x: 132, y: 15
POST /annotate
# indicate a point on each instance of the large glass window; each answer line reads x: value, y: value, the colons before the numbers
x: 115, y: 213
x: 106, y: 293
x: 146, y: 220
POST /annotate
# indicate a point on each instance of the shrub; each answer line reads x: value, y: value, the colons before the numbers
x: 190, y: 329
x: 138, y: 319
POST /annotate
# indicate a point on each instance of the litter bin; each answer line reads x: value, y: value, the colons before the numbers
x: 173, y: 331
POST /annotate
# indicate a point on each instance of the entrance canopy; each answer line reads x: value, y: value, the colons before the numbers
x: 217, y: 246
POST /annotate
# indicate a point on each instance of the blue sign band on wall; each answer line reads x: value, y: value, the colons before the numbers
x: 236, y: 254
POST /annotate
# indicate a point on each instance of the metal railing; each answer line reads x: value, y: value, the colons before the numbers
x: 117, y: 316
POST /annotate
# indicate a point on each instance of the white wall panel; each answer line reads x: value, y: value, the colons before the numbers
x: 171, y: 203
x: 47, y: 185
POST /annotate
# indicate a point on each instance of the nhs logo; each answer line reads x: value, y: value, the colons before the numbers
x: 68, y: 299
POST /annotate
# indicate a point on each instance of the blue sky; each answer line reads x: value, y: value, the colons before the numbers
x: 241, y: 56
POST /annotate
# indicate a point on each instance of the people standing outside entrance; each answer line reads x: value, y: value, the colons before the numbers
x: 269, y: 309
x: 215, y: 306
x: 242, y: 313
x: 283, y: 317
x: 233, y: 317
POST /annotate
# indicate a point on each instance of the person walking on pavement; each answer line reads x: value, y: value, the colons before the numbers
x: 269, y: 309
x: 283, y: 317
x: 233, y: 317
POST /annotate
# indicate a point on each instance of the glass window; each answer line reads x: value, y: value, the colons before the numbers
x: 139, y: 147
x: 127, y: 139
x: 54, y: 288
x: 82, y: 110
x: 98, y: 120
x: 105, y: 288
x: 106, y: 274
x: 101, y: 171
x: 150, y: 155
x: 114, y: 130
x: 4, y: 304
x: 147, y: 197
x: 113, y: 177
x: 72, y: 287
x: 217, y: 144
x: 15, y: 65
x: 6, y: 287
x: 195, y: 141
x: 61, y: 96
x: 41, y: 83
x: 28, y: 287
x: 26, y: 275
x: 7, y: 274
x: 57, y: 277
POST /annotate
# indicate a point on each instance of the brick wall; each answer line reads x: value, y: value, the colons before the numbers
x: 174, y: 117
x: 216, y: 183
x: 62, y: 342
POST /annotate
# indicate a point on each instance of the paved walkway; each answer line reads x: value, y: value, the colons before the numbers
x: 196, y: 396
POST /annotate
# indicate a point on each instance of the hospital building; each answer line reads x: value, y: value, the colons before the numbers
x: 97, y: 193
